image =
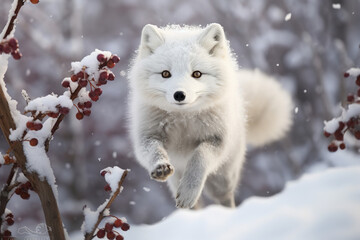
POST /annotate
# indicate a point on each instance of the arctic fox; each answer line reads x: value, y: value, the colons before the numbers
x: 193, y: 111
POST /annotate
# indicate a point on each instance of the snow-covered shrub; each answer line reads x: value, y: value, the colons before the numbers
x: 29, y: 135
x: 349, y: 120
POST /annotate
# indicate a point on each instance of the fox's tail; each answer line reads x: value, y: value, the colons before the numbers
x: 268, y: 106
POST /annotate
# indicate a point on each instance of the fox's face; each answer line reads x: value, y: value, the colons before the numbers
x: 181, y: 69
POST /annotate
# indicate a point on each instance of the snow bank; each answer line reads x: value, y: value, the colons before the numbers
x: 319, y: 206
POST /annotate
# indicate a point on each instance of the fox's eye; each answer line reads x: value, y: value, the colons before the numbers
x: 166, y: 74
x: 196, y: 74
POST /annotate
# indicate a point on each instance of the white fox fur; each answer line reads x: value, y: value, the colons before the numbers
x: 191, y: 129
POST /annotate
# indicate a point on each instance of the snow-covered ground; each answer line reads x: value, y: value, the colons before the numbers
x: 323, y: 205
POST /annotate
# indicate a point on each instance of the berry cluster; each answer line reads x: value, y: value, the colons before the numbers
x: 10, y: 46
x: 349, y: 121
x: 109, y: 231
x: 36, y: 125
x: 9, y: 219
x: 23, y: 190
x: 85, y: 77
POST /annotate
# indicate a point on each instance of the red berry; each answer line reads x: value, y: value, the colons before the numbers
x: 37, y: 126
x: 83, y: 83
x: 115, y: 59
x: 53, y: 114
x: 357, y: 135
x: 88, y: 104
x: 332, y: 147
x: 18, y: 191
x: 103, y: 75
x: 95, y: 98
x: 101, y: 58
x: 30, y: 125
x: 25, y: 195
x: 64, y: 110
x: 341, y: 125
x: 110, y: 235
x: 9, y: 215
x: 98, y: 91
x: 74, y: 78
x: 358, y: 92
x: 80, y: 75
x: 103, y: 174
x: 110, y: 64
x: 10, y: 221
x: 119, y: 237
x: 102, y: 82
x: 34, y: 1
x: 326, y: 134
x: 125, y: 227
x: 65, y: 84
x: 87, y: 112
x: 118, y: 223
x: 92, y: 94
x: 34, y: 142
x: 350, y: 98
x: 107, y: 188
x: 350, y: 123
x: 111, y: 77
x: 79, y: 116
x: 357, y: 81
x: 100, y: 233
x: 7, y: 233
x: 342, y: 146
x: 339, y: 135
x: 27, y: 185
x: 16, y: 55
x: 13, y: 43
x: 346, y: 74
x: 7, y: 49
x: 108, y: 227
x: 81, y: 105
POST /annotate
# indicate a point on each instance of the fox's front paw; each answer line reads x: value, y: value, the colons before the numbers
x: 186, y: 196
x: 162, y: 172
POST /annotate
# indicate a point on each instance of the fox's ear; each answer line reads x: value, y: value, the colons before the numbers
x: 151, y: 38
x: 212, y: 38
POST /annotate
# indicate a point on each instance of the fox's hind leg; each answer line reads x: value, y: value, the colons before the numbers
x: 221, y: 185
x: 221, y: 189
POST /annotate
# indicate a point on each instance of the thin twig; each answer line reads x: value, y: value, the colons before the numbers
x: 90, y: 235
x: 5, y: 192
x: 11, y: 25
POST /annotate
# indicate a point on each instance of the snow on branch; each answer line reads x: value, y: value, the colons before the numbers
x: 349, y: 120
x: 114, y: 177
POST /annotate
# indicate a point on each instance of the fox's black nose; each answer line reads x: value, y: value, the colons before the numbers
x: 179, y: 96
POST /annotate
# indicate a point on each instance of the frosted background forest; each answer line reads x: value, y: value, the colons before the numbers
x: 307, y: 45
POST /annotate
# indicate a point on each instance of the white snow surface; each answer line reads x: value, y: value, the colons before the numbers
x: 2, y: 160
x: 319, y: 206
